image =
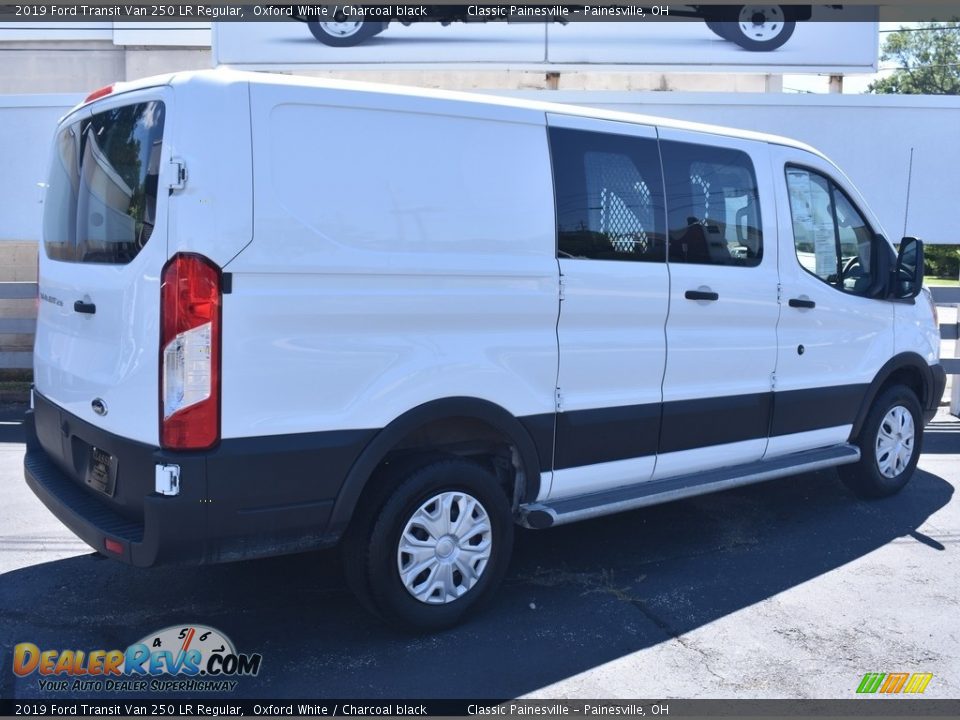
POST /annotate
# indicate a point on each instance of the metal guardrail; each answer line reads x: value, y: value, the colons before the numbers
x: 18, y: 290
x: 950, y: 296
x: 945, y: 295
x: 15, y: 357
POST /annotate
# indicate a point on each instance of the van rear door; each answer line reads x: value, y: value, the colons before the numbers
x: 104, y: 246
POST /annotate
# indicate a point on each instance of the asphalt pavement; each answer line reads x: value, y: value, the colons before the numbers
x: 792, y: 588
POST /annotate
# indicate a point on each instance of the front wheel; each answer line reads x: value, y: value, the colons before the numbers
x: 439, y: 546
x: 759, y: 28
x: 889, y: 442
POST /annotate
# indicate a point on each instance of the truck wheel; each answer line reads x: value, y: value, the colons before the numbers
x: 759, y: 28
x: 439, y: 546
x: 344, y: 32
x: 890, y: 443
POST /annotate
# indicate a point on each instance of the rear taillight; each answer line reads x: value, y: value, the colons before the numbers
x: 190, y: 302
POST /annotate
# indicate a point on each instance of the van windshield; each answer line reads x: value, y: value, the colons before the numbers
x: 101, y: 199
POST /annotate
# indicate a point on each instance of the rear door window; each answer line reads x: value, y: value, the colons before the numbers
x: 101, y: 199
x: 713, y: 205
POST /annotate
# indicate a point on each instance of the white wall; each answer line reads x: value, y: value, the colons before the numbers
x: 26, y: 131
x: 868, y: 136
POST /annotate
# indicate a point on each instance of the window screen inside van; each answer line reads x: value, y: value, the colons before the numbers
x: 609, y: 196
x: 101, y: 199
x: 713, y: 205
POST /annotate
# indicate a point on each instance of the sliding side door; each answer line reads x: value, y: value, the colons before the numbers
x: 612, y: 257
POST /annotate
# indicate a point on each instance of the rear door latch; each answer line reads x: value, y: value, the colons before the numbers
x: 179, y: 179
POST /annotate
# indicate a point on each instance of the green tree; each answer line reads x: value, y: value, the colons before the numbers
x: 927, y: 60
x: 941, y: 261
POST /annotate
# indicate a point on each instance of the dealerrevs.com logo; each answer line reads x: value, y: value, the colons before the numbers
x: 894, y: 683
x: 178, y: 658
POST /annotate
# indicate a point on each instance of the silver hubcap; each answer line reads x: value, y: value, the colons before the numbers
x: 761, y: 22
x: 444, y: 548
x: 342, y: 29
x: 895, y: 441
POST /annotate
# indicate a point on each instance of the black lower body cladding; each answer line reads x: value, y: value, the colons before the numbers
x: 248, y: 497
x: 260, y: 496
x: 939, y: 383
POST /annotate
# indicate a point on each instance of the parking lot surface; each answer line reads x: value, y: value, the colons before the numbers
x: 792, y: 588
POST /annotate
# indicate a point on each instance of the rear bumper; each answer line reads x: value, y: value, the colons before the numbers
x: 169, y: 531
x: 249, y: 497
x: 938, y: 383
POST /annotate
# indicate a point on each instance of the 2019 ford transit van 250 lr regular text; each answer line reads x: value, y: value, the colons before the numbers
x: 279, y: 314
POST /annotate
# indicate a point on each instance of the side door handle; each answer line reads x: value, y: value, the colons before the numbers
x: 701, y: 295
x: 84, y: 307
x: 801, y: 303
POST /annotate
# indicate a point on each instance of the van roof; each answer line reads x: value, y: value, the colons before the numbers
x: 223, y: 75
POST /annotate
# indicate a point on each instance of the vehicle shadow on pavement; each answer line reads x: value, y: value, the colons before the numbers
x: 576, y: 597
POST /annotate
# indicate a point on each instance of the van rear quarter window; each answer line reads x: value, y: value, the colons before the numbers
x: 101, y: 199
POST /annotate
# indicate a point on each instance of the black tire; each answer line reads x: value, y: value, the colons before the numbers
x: 372, y: 549
x: 721, y: 29
x: 324, y: 32
x: 760, y: 28
x: 865, y: 478
x: 353, y: 547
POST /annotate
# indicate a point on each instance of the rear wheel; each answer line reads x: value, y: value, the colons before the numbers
x: 759, y: 28
x: 344, y: 31
x: 437, y: 548
x: 890, y: 443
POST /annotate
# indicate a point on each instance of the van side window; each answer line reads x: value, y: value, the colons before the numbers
x: 713, y: 205
x: 609, y: 196
x: 831, y: 238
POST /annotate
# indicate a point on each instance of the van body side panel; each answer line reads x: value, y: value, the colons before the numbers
x: 827, y: 355
x: 914, y: 330
x: 213, y: 214
x: 403, y: 252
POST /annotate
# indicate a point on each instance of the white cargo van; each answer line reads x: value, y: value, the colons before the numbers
x: 279, y: 314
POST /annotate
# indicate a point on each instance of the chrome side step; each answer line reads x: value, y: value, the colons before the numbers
x: 548, y: 513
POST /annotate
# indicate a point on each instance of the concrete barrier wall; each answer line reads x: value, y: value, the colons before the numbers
x: 26, y: 132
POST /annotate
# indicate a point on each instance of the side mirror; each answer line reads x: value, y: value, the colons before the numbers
x: 907, y: 276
